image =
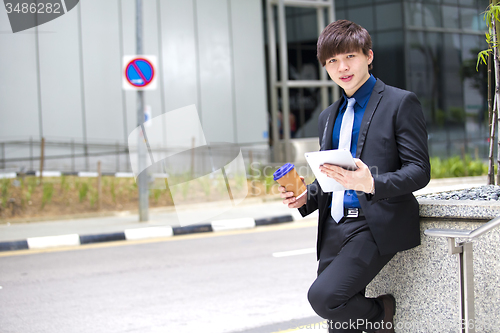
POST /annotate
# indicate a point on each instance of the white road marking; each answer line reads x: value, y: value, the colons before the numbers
x: 304, y: 223
x: 293, y: 253
x: 53, y: 241
x: 150, y: 232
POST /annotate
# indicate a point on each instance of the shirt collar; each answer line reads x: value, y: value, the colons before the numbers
x: 362, y: 95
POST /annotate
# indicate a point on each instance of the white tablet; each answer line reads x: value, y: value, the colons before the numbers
x: 342, y: 158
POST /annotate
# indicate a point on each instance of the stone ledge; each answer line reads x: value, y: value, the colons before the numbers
x: 459, y: 209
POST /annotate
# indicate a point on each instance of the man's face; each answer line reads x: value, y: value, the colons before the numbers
x: 349, y: 70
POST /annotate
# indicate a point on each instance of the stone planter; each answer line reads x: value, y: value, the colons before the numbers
x: 425, y: 280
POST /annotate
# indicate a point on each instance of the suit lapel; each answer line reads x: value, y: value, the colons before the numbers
x: 326, y: 144
x: 371, y: 107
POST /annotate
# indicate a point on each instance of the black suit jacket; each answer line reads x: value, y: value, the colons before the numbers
x: 393, y: 143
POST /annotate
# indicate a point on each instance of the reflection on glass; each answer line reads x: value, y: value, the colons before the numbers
x: 362, y: 16
x: 452, y: 82
x: 470, y: 18
x: 340, y: 3
x: 301, y: 24
x: 389, y: 58
x: 341, y: 15
x: 432, y: 15
x: 482, y: 4
x: 450, y: 17
x: 413, y: 14
x: 466, y: 2
x: 475, y: 86
x: 389, y: 16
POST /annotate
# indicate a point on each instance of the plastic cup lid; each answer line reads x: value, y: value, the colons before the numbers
x: 283, y: 171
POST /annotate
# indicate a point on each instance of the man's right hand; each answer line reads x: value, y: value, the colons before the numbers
x: 290, y: 200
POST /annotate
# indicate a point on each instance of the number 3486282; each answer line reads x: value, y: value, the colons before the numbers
x: 34, y: 8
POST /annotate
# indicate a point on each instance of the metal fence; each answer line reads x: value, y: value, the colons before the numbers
x: 74, y: 156
x: 475, y: 147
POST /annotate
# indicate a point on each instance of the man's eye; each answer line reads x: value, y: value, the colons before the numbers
x: 350, y: 56
x: 332, y: 60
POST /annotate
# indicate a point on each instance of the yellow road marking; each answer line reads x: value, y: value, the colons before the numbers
x: 306, y: 223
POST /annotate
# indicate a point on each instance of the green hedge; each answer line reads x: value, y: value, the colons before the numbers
x: 457, y: 167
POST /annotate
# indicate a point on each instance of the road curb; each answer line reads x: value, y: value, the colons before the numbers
x: 140, y: 233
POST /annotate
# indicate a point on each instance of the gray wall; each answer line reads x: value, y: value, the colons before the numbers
x: 63, y: 79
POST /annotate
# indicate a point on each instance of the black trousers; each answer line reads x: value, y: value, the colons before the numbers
x: 349, y: 260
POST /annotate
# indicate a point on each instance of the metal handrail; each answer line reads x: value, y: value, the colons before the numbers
x: 465, y: 267
x: 468, y: 234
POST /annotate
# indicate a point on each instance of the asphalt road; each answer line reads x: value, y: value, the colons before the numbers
x: 219, y: 282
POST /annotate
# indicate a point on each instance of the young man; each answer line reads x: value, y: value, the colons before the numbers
x: 361, y: 229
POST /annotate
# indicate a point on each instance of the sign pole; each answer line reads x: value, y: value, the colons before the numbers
x: 142, y: 178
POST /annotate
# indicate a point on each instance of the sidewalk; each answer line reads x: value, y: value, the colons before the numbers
x: 163, y: 222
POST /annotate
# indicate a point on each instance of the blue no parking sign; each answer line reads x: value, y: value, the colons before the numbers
x: 139, y: 72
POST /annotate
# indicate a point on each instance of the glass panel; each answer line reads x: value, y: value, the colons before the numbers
x: 433, y: 51
x: 417, y: 74
x: 414, y: 14
x: 471, y: 20
x: 301, y: 24
x: 483, y: 4
x: 425, y: 54
x: 447, y: 131
x: 451, y: 2
x: 466, y: 2
x: 305, y: 106
x: 303, y: 65
x: 340, y: 15
x: 452, y: 82
x: 389, y: 58
x: 362, y: 16
x: 432, y: 15
x: 450, y: 17
x: 475, y: 87
x: 389, y: 16
x: 340, y: 3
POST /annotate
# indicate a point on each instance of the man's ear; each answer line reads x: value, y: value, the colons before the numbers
x: 370, y: 56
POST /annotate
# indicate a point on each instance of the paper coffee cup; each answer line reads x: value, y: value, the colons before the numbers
x: 287, y: 177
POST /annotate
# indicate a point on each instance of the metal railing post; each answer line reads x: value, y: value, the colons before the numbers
x: 271, y: 50
x: 72, y: 155
x: 467, y: 288
x: 465, y: 282
x: 3, y: 155
x: 117, y: 157
x: 465, y: 268
x: 322, y: 72
x: 285, y: 91
x: 31, y: 153
x: 87, y: 162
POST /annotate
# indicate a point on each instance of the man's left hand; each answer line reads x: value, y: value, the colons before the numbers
x: 358, y: 180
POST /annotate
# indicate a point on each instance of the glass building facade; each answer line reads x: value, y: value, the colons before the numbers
x: 426, y: 46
